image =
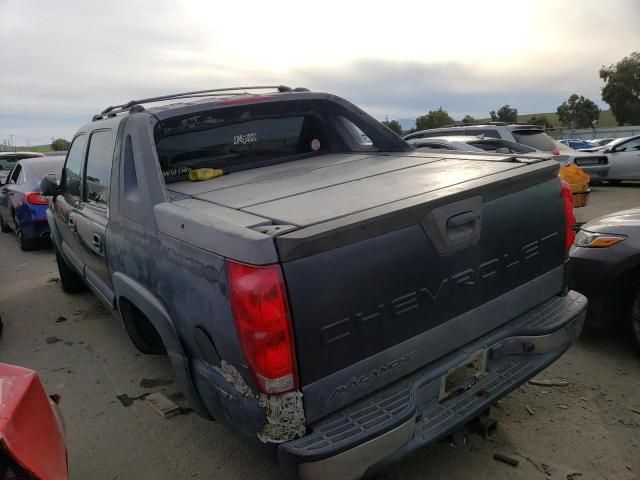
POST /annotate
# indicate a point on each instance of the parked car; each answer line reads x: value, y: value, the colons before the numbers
x: 534, y: 136
x: 325, y: 290
x: 624, y: 159
x: 472, y: 143
x: 599, y: 142
x: 22, y: 206
x: 8, y: 161
x: 32, y: 434
x: 605, y: 266
x: 576, y: 143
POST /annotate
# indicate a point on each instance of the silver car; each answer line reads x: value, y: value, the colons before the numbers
x: 624, y: 159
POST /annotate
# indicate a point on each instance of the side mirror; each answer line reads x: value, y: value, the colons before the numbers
x: 607, y: 150
x: 49, y: 186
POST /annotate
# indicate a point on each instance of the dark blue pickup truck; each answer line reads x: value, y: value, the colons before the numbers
x: 333, y: 295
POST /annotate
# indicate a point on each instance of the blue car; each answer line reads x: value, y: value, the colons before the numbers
x: 576, y: 143
x: 22, y: 207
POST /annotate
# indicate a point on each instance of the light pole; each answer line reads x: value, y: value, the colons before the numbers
x: 13, y: 144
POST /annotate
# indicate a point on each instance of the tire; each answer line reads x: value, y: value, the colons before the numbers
x: 25, y: 244
x: 4, y: 228
x: 69, y: 279
x: 634, y: 318
x: 142, y: 333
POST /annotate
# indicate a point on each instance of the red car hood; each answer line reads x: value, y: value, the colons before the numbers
x: 29, y: 429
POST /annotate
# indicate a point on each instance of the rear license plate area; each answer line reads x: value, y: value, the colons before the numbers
x: 463, y: 376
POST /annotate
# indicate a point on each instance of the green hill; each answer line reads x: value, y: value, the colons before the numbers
x: 606, y: 119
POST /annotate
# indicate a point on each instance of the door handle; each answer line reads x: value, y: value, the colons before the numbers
x: 11, y: 194
x: 96, y: 242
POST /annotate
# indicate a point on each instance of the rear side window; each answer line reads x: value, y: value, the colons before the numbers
x: 98, y: 169
x: 71, y: 172
x: 487, y: 132
x: 15, y: 174
x: 535, y: 139
x: 354, y: 134
x: 237, y: 138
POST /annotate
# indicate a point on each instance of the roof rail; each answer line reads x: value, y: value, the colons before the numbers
x: 214, y: 92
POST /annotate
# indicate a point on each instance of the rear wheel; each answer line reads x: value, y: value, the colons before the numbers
x: 69, y: 279
x: 25, y: 244
x: 4, y: 228
x: 141, y: 331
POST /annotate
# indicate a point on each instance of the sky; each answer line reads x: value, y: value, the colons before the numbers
x: 62, y: 62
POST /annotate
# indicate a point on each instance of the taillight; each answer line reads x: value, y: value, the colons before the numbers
x: 35, y: 198
x: 569, y: 217
x: 555, y: 151
x: 261, y: 312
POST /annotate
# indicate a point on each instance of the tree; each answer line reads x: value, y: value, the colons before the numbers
x: 60, y: 144
x: 468, y: 119
x: 505, y: 114
x: 541, y: 121
x: 434, y: 119
x: 622, y: 89
x: 393, y: 125
x: 578, y: 112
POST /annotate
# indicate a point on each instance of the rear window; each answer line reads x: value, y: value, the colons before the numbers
x: 535, y: 139
x: 238, y: 138
x: 9, y: 161
x: 39, y: 169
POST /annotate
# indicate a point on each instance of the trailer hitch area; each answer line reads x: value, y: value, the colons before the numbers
x: 458, y: 439
x: 484, y: 425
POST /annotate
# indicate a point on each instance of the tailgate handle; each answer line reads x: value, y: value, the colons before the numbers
x: 454, y: 226
x: 461, y: 220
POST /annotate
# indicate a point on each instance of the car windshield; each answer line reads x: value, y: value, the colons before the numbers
x: 534, y: 138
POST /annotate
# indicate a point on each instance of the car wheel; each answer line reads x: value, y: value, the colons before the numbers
x: 4, y: 228
x: 634, y: 318
x: 25, y: 244
x: 69, y: 279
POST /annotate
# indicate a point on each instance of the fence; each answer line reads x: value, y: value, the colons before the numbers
x: 590, y: 133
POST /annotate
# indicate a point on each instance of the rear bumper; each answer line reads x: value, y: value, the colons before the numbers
x: 35, y: 229
x: 596, y: 172
x: 390, y: 424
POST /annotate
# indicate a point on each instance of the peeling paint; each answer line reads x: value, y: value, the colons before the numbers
x: 233, y: 376
x: 285, y: 417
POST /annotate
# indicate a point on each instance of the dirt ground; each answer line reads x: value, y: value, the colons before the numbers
x: 587, y: 429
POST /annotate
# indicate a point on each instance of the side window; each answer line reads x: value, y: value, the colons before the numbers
x: 487, y: 132
x: 129, y: 175
x: 15, y: 174
x: 629, y: 146
x: 71, y: 171
x: 98, y: 169
x: 355, y: 134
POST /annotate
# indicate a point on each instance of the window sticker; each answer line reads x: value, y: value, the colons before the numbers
x: 175, y: 172
x: 244, y: 139
x: 315, y: 144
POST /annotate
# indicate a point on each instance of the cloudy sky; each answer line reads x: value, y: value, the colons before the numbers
x: 63, y: 61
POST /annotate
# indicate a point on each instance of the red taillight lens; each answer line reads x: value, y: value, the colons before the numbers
x: 261, y: 312
x: 555, y: 151
x: 569, y: 217
x: 35, y: 198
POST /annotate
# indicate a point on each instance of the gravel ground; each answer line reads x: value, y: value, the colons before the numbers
x: 587, y: 429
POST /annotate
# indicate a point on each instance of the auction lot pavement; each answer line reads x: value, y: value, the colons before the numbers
x: 587, y: 429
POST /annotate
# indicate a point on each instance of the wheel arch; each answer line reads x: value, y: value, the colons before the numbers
x: 139, y: 296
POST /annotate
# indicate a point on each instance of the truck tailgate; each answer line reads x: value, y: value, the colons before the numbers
x: 396, y: 270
